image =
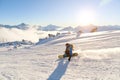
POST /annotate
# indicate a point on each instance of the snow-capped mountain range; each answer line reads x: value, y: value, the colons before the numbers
x: 51, y: 27
x: 10, y: 33
x: 22, y: 26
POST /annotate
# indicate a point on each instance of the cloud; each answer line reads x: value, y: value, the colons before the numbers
x: 14, y: 34
x: 104, y: 2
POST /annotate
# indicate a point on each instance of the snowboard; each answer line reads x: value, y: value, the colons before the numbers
x: 73, y: 55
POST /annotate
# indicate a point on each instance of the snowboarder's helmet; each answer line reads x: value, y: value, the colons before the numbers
x: 67, y: 44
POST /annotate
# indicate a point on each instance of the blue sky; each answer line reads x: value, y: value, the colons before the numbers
x: 60, y: 12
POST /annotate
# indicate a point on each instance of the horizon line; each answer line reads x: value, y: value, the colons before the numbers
x: 59, y: 25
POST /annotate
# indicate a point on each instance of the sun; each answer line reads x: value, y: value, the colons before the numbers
x: 86, y: 17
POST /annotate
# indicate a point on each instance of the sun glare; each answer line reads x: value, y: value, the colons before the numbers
x: 86, y: 17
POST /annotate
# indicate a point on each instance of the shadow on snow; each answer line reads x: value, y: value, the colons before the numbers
x: 59, y: 71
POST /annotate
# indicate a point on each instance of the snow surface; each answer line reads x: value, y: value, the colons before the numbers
x: 99, y: 59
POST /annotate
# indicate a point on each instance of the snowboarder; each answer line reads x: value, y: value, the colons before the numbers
x: 68, y: 51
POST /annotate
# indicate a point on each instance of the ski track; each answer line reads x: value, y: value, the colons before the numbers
x: 99, y: 59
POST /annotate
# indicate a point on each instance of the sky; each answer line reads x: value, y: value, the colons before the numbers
x: 60, y: 12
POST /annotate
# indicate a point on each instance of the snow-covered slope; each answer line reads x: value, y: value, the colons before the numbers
x: 99, y: 59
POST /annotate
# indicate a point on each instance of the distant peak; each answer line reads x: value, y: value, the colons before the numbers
x: 23, y: 24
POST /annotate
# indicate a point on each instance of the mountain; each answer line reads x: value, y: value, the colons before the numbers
x: 88, y: 28
x: 6, y: 26
x: 21, y: 26
x: 50, y: 28
x: 108, y: 28
x: 69, y: 28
